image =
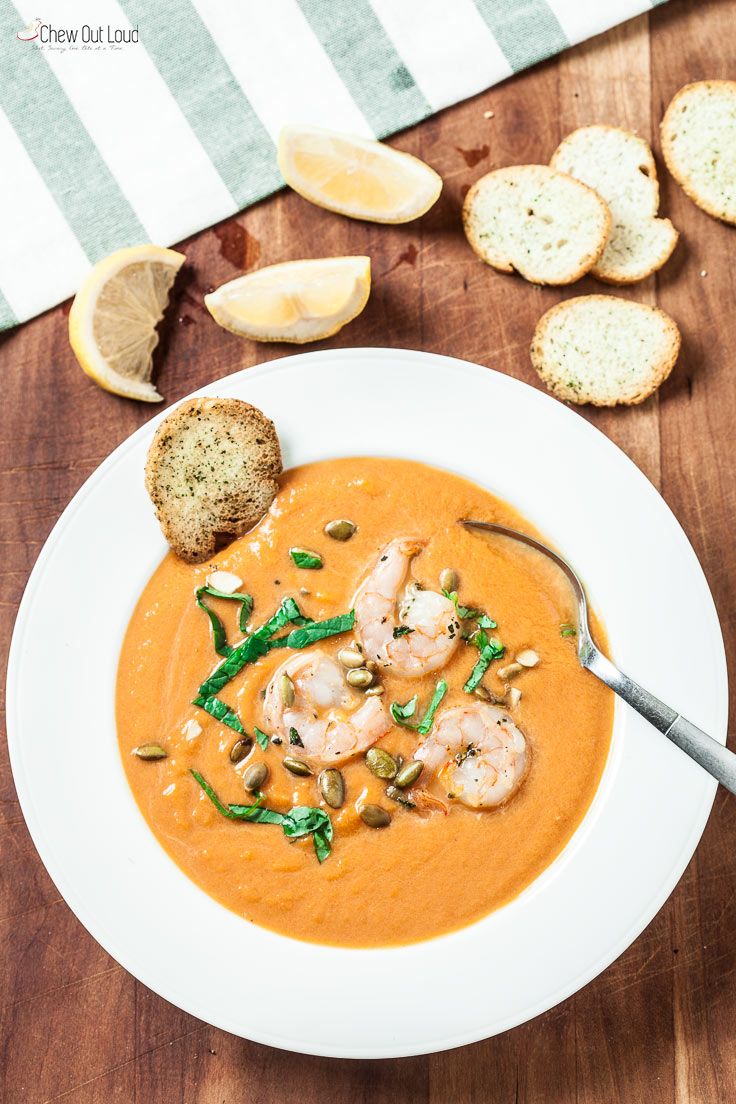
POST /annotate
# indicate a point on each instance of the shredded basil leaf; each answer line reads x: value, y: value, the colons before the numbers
x: 256, y: 813
x: 312, y: 561
x: 299, y: 821
x: 566, y: 629
x: 489, y: 649
x: 235, y: 812
x: 219, y: 637
x: 401, y: 713
x: 426, y: 723
x: 319, y: 630
x: 402, y: 630
x: 304, y: 819
x: 486, y: 622
x: 220, y: 711
x: 261, y: 738
x: 322, y: 838
x: 295, y: 738
x: 467, y: 613
x: 252, y: 648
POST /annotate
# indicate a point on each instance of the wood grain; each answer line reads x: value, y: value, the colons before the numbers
x: 657, y: 1026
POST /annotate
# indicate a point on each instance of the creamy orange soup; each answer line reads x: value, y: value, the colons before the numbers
x: 430, y: 870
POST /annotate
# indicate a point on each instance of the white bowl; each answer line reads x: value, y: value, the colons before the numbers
x: 584, y: 910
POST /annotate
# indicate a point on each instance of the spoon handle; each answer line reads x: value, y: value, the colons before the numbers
x: 707, y: 752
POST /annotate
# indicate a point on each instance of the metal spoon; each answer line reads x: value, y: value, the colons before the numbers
x: 712, y: 756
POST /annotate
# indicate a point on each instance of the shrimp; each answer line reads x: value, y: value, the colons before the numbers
x: 327, y: 714
x: 426, y: 631
x: 477, y: 752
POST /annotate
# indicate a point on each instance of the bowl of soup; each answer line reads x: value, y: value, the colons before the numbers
x: 405, y: 818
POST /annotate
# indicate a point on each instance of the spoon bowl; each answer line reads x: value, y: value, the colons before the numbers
x: 707, y: 752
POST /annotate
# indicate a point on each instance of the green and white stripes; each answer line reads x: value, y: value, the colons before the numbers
x: 369, y: 66
x: 214, y: 104
x: 156, y: 140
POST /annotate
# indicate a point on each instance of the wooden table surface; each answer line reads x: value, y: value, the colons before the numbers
x: 658, y: 1025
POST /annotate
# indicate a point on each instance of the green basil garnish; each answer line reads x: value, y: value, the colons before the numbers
x: 302, y: 557
x: 319, y: 630
x: 402, y: 630
x: 489, y: 649
x: 322, y: 839
x: 566, y: 629
x: 401, y: 713
x: 486, y: 622
x: 220, y: 711
x: 252, y: 648
x: 295, y: 738
x: 219, y: 636
x: 466, y: 613
x: 299, y: 821
x: 302, y: 820
x: 261, y: 738
x: 426, y: 723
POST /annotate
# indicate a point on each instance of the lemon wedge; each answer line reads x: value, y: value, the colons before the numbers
x: 355, y: 176
x: 112, y: 323
x: 295, y: 301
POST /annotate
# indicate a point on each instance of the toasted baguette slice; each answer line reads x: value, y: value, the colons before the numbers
x: 211, y: 473
x: 604, y: 350
x: 620, y: 166
x: 699, y: 145
x: 536, y: 221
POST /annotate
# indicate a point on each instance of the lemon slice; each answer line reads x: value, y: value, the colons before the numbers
x: 296, y: 301
x: 112, y: 323
x: 356, y: 177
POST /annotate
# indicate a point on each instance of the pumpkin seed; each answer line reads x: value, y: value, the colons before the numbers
x: 528, y: 658
x: 350, y: 657
x: 396, y: 795
x: 240, y: 749
x: 341, y: 529
x: 509, y: 671
x: 150, y: 751
x: 514, y: 697
x: 375, y: 816
x: 332, y: 787
x: 380, y: 763
x: 408, y: 774
x: 286, y: 689
x: 297, y: 766
x: 375, y: 691
x: 255, y: 776
x: 449, y: 579
x: 360, y: 678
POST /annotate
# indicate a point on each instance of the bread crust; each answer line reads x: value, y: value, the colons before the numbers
x: 550, y: 374
x: 586, y: 263
x: 666, y: 130
x: 193, y: 524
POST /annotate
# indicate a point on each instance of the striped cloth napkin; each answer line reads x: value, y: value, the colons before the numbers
x: 124, y: 121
